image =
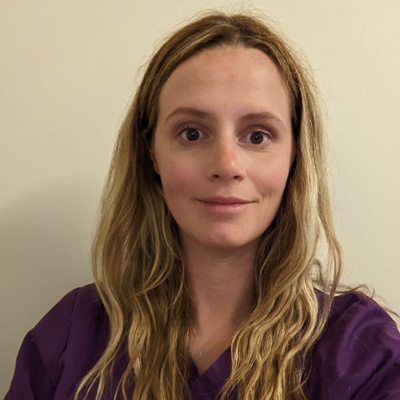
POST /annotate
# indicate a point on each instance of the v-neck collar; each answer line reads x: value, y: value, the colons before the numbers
x: 209, y: 384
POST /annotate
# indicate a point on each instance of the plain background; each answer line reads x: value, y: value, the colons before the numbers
x: 68, y: 70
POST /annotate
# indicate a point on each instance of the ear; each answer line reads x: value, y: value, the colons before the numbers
x: 146, y: 134
x: 154, y: 160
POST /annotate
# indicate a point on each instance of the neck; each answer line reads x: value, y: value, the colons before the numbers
x: 221, y: 284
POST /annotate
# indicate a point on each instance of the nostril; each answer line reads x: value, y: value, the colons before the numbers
x: 224, y: 163
x: 236, y: 177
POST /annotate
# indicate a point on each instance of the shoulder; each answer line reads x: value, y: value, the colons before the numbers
x: 358, y: 354
x: 62, y: 347
x: 80, y: 302
x: 80, y: 307
x: 354, y: 305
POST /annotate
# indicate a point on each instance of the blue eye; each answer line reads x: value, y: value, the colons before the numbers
x: 190, y: 134
x: 258, y: 137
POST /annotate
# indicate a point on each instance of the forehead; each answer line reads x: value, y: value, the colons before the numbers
x: 234, y: 77
x: 225, y: 62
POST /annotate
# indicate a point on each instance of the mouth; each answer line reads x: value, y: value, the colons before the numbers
x: 229, y: 201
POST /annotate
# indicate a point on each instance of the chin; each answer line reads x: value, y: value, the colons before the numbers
x: 231, y: 244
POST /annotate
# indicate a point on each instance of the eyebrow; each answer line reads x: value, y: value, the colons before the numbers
x: 263, y: 114
x: 190, y: 111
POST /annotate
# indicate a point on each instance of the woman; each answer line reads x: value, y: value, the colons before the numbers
x: 207, y: 278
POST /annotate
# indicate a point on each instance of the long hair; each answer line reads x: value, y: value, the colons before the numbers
x: 137, y: 257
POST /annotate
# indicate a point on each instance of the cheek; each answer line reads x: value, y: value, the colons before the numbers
x: 177, y: 197
x: 176, y: 181
x: 273, y: 180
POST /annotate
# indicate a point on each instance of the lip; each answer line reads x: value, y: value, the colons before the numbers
x: 224, y: 207
x: 228, y: 201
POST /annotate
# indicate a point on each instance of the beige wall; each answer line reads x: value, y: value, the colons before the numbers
x: 67, y: 72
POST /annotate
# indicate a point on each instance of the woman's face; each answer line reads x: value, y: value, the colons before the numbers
x: 223, y: 146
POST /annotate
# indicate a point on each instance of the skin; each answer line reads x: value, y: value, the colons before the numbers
x: 223, y: 148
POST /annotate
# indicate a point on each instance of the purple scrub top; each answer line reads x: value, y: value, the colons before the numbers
x: 357, y: 357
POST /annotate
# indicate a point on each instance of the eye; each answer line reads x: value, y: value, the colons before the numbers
x: 258, y: 137
x: 190, y: 134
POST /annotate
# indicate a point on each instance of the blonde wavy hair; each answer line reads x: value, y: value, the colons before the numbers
x: 138, y: 266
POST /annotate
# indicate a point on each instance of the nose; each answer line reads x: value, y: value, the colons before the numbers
x: 225, y: 161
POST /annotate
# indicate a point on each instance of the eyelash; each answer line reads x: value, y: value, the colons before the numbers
x: 187, y: 129
x: 266, y: 135
x: 262, y: 132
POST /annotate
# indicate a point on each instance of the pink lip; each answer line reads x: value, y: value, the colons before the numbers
x: 224, y: 207
x: 219, y: 200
